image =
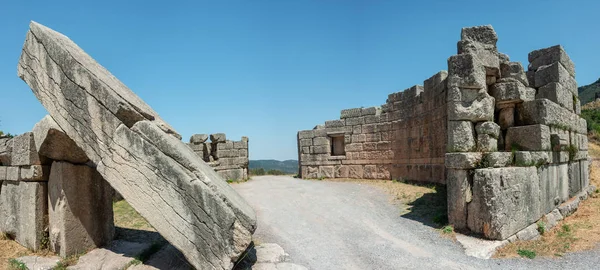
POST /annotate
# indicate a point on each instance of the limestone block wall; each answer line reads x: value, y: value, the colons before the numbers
x: 229, y: 159
x: 49, y: 198
x: 402, y: 139
x: 517, y: 148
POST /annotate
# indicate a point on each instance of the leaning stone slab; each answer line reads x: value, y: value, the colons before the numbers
x: 52, y: 142
x: 80, y: 209
x: 139, y: 154
x: 23, y: 210
x: 505, y: 201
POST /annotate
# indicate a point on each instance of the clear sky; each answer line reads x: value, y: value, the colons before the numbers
x: 266, y: 69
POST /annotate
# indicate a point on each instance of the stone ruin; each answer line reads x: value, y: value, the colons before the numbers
x: 508, y: 143
x: 97, y: 132
x: 228, y: 158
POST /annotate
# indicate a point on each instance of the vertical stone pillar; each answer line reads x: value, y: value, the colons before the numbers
x: 80, y: 209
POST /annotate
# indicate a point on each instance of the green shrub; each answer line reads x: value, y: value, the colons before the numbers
x: 448, y: 229
x: 526, y: 253
x: 541, y: 227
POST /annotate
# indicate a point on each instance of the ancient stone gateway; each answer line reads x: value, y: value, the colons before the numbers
x: 124, y: 142
x: 508, y: 143
x: 228, y: 158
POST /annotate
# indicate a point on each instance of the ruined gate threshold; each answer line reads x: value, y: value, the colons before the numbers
x: 140, y: 155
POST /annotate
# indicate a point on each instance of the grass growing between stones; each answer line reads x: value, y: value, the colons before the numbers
x: 127, y: 217
x: 577, y: 232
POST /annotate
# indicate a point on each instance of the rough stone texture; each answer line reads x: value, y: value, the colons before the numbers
x: 555, y: 73
x: 488, y: 128
x: 514, y: 70
x: 218, y: 137
x: 80, y: 209
x: 550, y: 55
x: 117, y: 255
x: 198, y: 138
x: 486, y: 143
x: 52, y: 142
x: 557, y: 93
x: 511, y: 92
x: 461, y: 136
x: 505, y: 200
x: 546, y: 112
x: 497, y: 159
x: 34, y: 173
x: 167, y: 257
x: 228, y: 158
x: 23, y: 212
x: 140, y: 155
x: 458, y: 188
x: 463, y: 160
x: 24, y: 152
x: 39, y: 263
x: 6, y: 145
x: 528, y: 138
x: 481, y: 109
x: 529, y: 233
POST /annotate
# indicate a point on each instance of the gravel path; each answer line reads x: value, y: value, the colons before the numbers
x: 337, y: 225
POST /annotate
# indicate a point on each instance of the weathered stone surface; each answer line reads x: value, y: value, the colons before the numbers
x: 326, y: 172
x: 355, y: 171
x: 34, y: 173
x: 484, y: 34
x: 136, y: 152
x: 526, y: 159
x: 232, y: 174
x: 6, y: 145
x: 461, y: 136
x: 528, y: 138
x: 52, y: 142
x: 506, y: 117
x: 514, y: 70
x: 505, y: 200
x: 342, y: 171
x: 370, y: 111
x: 569, y: 207
x: 334, y: 123
x: 553, y: 218
x: 555, y: 73
x: 488, y: 128
x: 117, y: 255
x: 465, y: 71
x: 198, y: 138
x: 80, y: 209
x: 218, y: 138
x: 556, y: 93
x: 270, y: 253
x: 349, y: 113
x: 550, y: 55
x: 23, y: 210
x: 39, y: 263
x: 559, y: 142
x: 574, y: 179
x: 529, y: 233
x: 459, y: 194
x: 13, y: 173
x: 24, y: 152
x: 511, y: 92
x: 486, y: 143
x: 463, y: 160
x: 481, y: 109
x: 497, y: 159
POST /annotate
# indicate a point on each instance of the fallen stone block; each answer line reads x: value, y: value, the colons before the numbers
x: 461, y: 136
x: 138, y: 153
x: 52, y: 142
x: 23, y: 212
x: 505, y: 201
x: 528, y: 138
x: 232, y: 174
x: 80, y: 209
x: 550, y: 55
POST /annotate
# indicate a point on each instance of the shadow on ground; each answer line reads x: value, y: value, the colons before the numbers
x: 430, y: 209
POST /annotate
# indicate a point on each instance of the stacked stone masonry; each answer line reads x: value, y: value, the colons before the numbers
x: 508, y: 142
x: 228, y: 158
x: 49, y: 197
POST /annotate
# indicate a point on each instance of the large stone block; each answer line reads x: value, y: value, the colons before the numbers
x: 232, y: 174
x: 550, y: 55
x: 556, y: 93
x: 24, y: 152
x: 218, y: 138
x: 461, y: 136
x: 326, y: 172
x: 511, y: 92
x: 355, y: 171
x: 514, y: 70
x: 465, y: 71
x: 52, y: 142
x: 480, y: 109
x: 198, y: 138
x: 505, y: 201
x: 80, y: 209
x: 555, y: 73
x: 574, y: 178
x: 488, y: 128
x: 334, y: 123
x: 23, y: 212
x: 459, y: 194
x: 528, y: 138
x: 349, y: 113
x: 546, y: 112
x: 463, y: 160
x: 484, y: 34
x: 138, y: 153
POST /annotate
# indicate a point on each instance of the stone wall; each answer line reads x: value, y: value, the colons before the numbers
x: 228, y: 158
x: 47, y: 192
x: 508, y: 142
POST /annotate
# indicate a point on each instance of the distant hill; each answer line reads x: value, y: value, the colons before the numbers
x: 587, y: 93
x: 287, y: 166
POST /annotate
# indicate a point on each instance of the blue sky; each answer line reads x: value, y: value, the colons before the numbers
x: 266, y: 69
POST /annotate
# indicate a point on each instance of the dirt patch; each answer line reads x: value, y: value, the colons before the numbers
x: 10, y: 249
x: 575, y: 233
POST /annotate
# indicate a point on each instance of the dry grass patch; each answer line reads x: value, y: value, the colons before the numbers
x: 10, y: 249
x: 577, y: 232
x: 127, y: 217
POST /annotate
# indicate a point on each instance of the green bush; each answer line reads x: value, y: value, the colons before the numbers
x: 526, y: 253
